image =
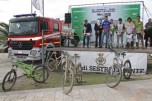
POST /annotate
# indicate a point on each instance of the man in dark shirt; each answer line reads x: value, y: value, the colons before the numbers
x: 98, y: 33
x: 86, y: 32
x: 148, y: 32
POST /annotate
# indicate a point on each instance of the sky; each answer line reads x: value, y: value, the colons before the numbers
x: 52, y: 8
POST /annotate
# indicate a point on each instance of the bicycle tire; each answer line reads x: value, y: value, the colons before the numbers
x: 66, y: 84
x: 127, y: 70
x: 79, y: 73
x: 13, y: 80
x: 51, y: 64
x: 113, y: 72
x: 38, y: 72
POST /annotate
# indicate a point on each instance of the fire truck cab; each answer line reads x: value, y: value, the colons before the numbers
x: 25, y: 35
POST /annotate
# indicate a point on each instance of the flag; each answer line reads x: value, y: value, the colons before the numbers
x: 38, y: 4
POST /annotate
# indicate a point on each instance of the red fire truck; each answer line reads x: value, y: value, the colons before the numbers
x: 25, y: 34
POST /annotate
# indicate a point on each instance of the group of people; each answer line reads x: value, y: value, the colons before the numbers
x: 106, y: 29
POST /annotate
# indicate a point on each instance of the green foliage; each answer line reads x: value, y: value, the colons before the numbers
x: 3, y: 38
x: 4, y: 28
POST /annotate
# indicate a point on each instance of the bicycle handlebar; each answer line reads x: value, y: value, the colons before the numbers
x: 119, y: 53
x: 114, y: 51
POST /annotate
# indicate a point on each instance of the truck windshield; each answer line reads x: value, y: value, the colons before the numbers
x: 23, y: 28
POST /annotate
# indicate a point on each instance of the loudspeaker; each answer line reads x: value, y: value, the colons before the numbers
x: 67, y: 18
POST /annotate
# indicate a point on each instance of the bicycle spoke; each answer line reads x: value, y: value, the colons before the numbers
x: 127, y: 70
x: 9, y: 80
x: 68, y: 81
x: 113, y: 76
x: 51, y: 64
x: 40, y: 74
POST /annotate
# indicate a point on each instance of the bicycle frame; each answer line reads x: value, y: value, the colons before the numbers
x: 39, y: 71
x: 55, y: 57
x: 71, y: 72
x: 75, y: 64
x: 120, y: 58
x: 25, y: 67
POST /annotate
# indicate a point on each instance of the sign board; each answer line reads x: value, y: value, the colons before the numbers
x: 90, y: 61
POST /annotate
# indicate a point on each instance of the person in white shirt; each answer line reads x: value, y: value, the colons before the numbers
x: 120, y: 32
x: 130, y: 28
x: 111, y: 33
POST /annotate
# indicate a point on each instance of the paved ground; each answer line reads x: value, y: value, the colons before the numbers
x: 5, y: 66
x: 126, y: 91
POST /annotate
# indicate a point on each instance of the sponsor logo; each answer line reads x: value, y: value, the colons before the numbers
x: 100, y: 60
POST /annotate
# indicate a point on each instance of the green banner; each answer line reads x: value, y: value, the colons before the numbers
x: 93, y: 13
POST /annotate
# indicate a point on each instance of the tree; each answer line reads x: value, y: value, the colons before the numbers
x: 4, y: 28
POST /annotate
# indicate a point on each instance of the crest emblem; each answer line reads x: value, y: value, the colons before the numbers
x: 100, y: 60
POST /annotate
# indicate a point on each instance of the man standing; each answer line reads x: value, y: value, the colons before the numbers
x: 129, y: 32
x: 105, y: 26
x: 148, y: 32
x: 98, y: 33
x: 120, y: 32
x: 111, y: 33
x: 139, y: 31
x: 87, y: 32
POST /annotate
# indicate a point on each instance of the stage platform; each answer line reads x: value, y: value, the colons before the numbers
x: 145, y: 50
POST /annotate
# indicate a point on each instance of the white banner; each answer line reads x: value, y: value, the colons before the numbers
x: 91, y: 60
x: 38, y: 4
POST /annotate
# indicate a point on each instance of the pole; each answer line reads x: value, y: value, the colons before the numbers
x: 143, y: 11
x: 43, y: 37
x: 69, y: 32
x: 43, y: 7
x: 42, y: 47
x: 43, y: 43
x: 31, y: 7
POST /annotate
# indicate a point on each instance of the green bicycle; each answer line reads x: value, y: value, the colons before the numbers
x: 39, y: 73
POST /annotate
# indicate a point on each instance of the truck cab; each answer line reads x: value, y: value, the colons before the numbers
x: 25, y: 35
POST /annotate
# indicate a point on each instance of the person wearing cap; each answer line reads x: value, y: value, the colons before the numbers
x: 139, y: 31
x: 87, y: 32
x: 105, y: 32
x: 148, y: 32
x: 129, y: 26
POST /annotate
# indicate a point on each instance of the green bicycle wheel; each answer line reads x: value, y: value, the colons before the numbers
x: 9, y: 80
x: 40, y: 74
